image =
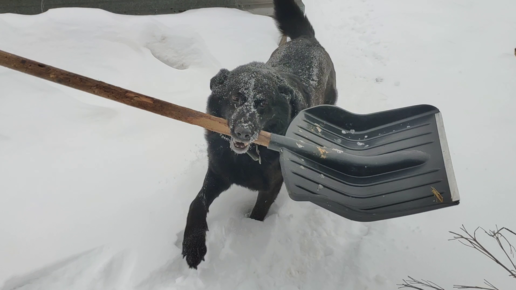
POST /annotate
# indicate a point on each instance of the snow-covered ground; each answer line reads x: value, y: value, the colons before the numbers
x: 94, y: 194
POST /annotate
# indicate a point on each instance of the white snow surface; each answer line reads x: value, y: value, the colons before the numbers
x: 94, y: 194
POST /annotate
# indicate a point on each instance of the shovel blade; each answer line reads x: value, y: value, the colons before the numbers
x: 383, y: 195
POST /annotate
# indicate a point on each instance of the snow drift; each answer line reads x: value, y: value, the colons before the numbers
x: 94, y: 194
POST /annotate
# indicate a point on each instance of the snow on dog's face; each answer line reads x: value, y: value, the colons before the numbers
x: 251, y: 98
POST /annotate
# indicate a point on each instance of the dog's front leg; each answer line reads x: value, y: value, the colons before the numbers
x: 194, y: 242
x: 265, y: 200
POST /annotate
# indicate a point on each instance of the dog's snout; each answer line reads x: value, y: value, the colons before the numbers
x: 243, y: 133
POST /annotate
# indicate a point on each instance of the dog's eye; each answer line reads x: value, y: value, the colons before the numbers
x: 238, y: 98
x: 262, y: 103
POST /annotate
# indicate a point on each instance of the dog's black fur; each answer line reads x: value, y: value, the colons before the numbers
x: 254, y: 97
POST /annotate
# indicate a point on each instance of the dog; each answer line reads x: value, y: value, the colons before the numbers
x: 254, y: 97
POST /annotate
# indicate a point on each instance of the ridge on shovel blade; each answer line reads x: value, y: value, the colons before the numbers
x: 392, y: 192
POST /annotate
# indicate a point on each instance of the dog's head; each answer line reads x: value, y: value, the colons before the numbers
x: 251, y: 98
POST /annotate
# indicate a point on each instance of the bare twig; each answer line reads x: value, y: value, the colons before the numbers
x: 424, y: 284
x: 491, y: 286
x: 499, y: 237
x: 414, y: 284
x: 471, y: 241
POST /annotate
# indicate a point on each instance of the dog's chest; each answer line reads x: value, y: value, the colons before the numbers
x: 241, y: 169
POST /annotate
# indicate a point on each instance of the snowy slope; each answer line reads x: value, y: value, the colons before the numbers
x: 94, y: 194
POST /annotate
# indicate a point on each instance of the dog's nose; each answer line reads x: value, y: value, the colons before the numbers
x: 243, y: 133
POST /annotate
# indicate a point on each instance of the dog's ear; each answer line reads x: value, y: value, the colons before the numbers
x: 285, y: 90
x: 296, y: 101
x: 219, y: 78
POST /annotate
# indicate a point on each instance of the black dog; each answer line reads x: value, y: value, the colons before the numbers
x: 254, y: 97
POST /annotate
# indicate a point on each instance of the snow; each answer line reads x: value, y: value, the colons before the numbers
x: 94, y: 194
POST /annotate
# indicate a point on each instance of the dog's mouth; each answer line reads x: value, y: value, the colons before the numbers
x: 239, y: 147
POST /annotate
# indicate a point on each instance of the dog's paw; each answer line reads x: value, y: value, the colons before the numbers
x: 194, y: 248
x: 258, y: 214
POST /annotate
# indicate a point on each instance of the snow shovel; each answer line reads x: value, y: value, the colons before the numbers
x: 362, y: 167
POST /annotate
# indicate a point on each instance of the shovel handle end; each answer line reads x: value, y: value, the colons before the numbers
x: 120, y: 95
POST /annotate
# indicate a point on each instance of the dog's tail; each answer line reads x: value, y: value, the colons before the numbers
x: 291, y: 20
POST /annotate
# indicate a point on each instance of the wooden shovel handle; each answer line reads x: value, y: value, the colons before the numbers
x: 121, y: 95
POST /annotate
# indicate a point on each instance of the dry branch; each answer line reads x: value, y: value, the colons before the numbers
x: 491, y: 286
x: 412, y: 283
x: 416, y: 284
x: 471, y: 241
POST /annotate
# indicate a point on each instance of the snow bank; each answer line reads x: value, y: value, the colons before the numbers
x: 94, y: 194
